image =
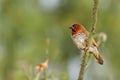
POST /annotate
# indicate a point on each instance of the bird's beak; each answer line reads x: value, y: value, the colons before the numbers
x: 71, y: 27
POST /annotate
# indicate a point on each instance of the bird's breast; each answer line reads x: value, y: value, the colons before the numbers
x: 79, y: 40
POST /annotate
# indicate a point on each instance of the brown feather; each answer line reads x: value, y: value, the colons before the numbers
x: 87, y: 34
x: 78, y: 28
x: 98, y: 58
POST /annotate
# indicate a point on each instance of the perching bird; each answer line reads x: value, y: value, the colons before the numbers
x: 79, y: 37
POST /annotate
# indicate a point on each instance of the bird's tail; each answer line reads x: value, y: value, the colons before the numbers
x: 98, y: 58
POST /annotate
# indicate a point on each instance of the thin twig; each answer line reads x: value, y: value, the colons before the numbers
x: 85, y: 57
x: 45, y: 75
x: 37, y: 76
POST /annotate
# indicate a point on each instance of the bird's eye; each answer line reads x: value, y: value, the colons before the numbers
x: 71, y: 27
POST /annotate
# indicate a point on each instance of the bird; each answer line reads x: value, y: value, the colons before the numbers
x: 79, y: 36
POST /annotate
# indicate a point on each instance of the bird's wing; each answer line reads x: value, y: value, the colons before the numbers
x: 94, y: 42
x: 87, y: 34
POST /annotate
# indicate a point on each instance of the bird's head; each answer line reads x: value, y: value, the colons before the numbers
x: 76, y: 28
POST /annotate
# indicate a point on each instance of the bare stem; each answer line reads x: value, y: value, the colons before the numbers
x: 45, y: 75
x: 85, y: 57
x: 37, y: 76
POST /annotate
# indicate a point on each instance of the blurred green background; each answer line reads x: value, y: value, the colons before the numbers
x: 29, y: 28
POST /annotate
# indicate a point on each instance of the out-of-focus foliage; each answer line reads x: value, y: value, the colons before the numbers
x: 25, y: 25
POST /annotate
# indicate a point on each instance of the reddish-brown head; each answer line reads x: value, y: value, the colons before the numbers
x: 76, y: 28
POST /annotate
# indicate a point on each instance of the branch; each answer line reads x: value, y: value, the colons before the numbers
x: 85, y: 57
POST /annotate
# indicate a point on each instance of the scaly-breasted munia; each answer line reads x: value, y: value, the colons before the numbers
x: 79, y: 37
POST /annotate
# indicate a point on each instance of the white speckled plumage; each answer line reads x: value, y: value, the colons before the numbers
x: 79, y: 40
x: 79, y: 37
